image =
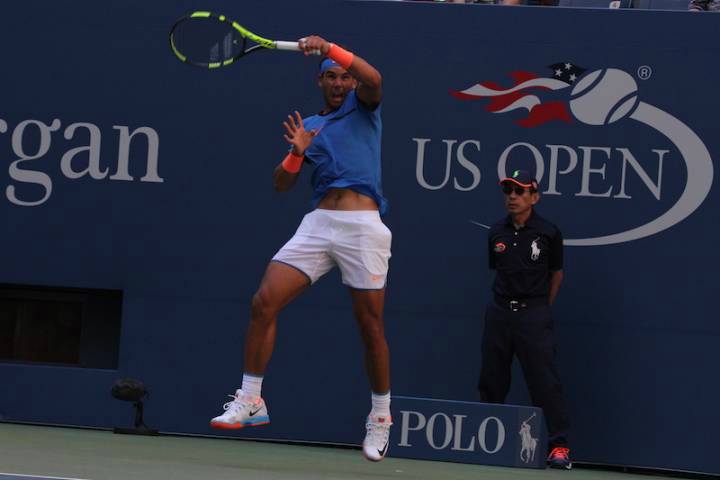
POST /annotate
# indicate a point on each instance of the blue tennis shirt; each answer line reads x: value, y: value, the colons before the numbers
x: 346, y: 151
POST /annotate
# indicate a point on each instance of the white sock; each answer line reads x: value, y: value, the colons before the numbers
x: 251, y: 385
x: 380, y: 404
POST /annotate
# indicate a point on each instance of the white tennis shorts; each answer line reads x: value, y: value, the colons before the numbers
x: 356, y: 241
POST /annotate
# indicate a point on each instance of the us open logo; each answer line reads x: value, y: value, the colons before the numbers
x: 597, y: 98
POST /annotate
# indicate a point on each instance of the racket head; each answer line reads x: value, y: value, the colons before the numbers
x: 209, y: 40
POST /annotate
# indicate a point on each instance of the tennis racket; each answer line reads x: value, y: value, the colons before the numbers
x: 211, y: 40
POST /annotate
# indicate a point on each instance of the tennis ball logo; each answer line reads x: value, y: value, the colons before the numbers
x: 604, y: 96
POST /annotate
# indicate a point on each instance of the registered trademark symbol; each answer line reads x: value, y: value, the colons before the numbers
x: 644, y: 72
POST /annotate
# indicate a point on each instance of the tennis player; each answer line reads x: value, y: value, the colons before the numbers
x: 342, y: 144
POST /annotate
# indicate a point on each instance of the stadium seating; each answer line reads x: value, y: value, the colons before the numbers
x: 596, y: 3
x: 663, y: 4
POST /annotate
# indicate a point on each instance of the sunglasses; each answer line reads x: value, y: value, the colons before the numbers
x: 519, y: 191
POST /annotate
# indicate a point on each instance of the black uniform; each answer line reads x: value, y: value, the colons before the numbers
x: 518, y: 321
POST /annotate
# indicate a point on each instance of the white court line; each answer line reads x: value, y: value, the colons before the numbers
x: 480, y: 224
x: 5, y: 474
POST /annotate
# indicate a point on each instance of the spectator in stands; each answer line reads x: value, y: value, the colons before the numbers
x: 550, y: 3
x: 704, y: 6
x: 456, y: 1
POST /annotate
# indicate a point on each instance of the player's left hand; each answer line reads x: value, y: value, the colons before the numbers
x: 314, y: 45
x: 296, y: 135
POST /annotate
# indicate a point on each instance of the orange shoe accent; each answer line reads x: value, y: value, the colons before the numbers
x: 236, y: 426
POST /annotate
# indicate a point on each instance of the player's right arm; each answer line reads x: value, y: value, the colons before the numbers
x: 369, y: 89
x: 286, y: 173
x: 283, y: 180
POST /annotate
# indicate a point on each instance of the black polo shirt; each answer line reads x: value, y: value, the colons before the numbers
x: 524, y: 258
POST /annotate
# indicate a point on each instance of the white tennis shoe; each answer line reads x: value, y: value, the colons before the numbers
x: 241, y: 412
x: 377, y: 438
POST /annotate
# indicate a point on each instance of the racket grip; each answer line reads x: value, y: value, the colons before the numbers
x: 280, y: 45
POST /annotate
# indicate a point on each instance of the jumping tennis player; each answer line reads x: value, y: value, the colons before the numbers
x: 342, y: 143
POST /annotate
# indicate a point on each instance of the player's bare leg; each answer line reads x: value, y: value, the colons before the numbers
x: 368, y: 307
x: 278, y: 287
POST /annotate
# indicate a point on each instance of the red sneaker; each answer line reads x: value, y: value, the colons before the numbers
x: 560, y: 458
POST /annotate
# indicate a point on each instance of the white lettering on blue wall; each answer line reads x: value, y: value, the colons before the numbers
x: 30, y: 182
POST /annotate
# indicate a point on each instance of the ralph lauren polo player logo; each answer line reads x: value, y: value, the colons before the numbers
x: 535, y: 250
x: 500, y: 247
x: 528, y: 442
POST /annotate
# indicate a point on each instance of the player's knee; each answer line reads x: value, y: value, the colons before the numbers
x: 373, y: 333
x: 263, y: 308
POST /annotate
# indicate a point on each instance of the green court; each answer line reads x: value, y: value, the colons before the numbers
x: 38, y: 452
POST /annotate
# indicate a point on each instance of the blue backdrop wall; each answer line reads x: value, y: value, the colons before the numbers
x: 181, y: 216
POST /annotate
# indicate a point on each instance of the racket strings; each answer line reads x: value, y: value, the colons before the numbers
x: 205, y: 41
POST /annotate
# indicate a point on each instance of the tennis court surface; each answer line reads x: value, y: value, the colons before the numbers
x: 29, y: 452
